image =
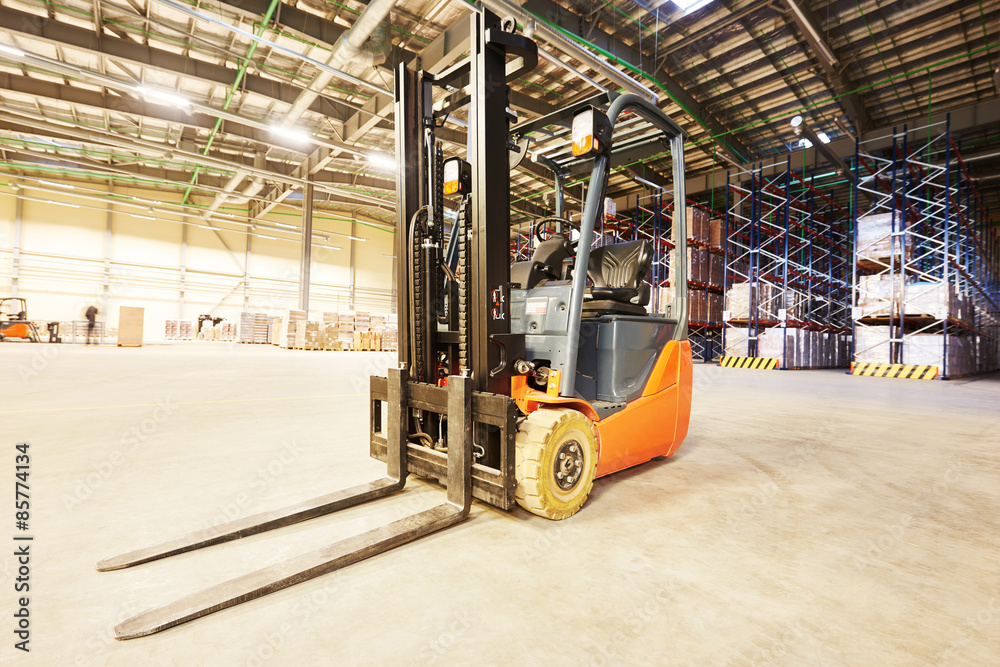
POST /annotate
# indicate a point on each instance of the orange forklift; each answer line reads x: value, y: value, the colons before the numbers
x: 517, y: 384
x: 14, y: 322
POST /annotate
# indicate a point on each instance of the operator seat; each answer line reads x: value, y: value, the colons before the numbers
x: 617, y: 273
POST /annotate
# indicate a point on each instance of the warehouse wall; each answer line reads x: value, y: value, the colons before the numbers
x: 64, y: 250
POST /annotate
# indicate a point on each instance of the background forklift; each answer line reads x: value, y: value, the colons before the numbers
x: 516, y: 384
x: 14, y: 322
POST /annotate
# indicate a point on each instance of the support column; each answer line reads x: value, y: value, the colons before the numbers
x: 246, y: 273
x: 305, y: 263
x: 16, y: 260
x: 354, y: 232
x: 184, y: 249
x: 106, y: 289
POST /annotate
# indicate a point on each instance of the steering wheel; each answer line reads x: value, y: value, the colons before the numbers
x: 542, y: 232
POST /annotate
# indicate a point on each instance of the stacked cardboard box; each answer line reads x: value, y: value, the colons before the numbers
x: 185, y: 329
x: 284, y: 326
x: 736, y: 342
x: 390, y: 337
x: 170, y: 330
x: 345, y: 331
x: 246, y: 327
x: 705, y: 307
x: 716, y: 269
x: 698, y: 224
x: 715, y: 232
x: 871, y: 344
x: 227, y: 331
x: 877, y: 244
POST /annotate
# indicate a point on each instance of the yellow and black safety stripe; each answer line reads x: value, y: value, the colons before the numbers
x: 761, y: 363
x: 906, y: 371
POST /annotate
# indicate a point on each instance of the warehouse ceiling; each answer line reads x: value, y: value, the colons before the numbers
x: 233, y: 105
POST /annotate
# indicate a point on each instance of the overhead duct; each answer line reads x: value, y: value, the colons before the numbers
x: 352, y: 47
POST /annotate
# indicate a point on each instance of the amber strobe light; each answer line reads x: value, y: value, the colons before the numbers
x: 591, y: 132
x: 457, y: 176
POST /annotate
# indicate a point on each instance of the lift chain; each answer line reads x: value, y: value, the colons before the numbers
x: 419, y: 298
x: 463, y: 222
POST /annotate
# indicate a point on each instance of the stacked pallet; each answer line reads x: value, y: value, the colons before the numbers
x: 390, y: 337
x: 902, y: 319
x: 246, y: 327
x: 226, y: 331
x: 803, y: 348
x: 185, y: 329
x: 170, y: 330
x: 345, y: 331
x: 367, y: 341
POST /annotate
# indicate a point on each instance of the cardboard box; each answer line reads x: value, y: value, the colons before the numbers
x: 130, y: 322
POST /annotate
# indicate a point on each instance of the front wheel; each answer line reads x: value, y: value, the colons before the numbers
x: 555, y: 461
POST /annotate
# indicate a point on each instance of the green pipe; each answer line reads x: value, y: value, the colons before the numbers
x: 859, y: 89
x: 240, y: 73
x: 631, y: 68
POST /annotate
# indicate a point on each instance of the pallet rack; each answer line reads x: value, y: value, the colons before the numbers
x: 787, y: 253
x: 651, y: 219
x: 926, y: 285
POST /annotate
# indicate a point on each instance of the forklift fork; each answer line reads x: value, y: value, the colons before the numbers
x: 334, y: 556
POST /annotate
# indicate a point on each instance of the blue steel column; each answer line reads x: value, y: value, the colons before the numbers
x: 725, y: 262
x: 854, y: 250
x: 947, y: 235
x: 784, y: 287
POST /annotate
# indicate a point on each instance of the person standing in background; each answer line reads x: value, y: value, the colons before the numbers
x: 91, y: 322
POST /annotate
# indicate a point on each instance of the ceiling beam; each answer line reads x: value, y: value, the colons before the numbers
x: 129, y: 52
x: 837, y: 78
x: 577, y: 25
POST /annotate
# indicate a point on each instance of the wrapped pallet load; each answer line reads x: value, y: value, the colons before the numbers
x: 871, y: 344
x: 881, y: 239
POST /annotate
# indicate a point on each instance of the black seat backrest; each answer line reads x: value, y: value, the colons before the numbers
x: 621, y: 265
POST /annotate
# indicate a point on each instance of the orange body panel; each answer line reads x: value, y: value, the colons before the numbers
x: 528, y: 400
x: 653, y: 425
x: 16, y: 331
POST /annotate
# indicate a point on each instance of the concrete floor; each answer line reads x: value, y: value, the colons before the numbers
x: 810, y: 518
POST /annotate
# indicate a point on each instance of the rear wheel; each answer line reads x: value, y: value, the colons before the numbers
x: 555, y: 461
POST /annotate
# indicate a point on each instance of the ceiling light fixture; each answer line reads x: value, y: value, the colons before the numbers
x: 164, y: 97
x: 294, y: 134
x: 141, y: 217
x: 12, y: 50
x: 383, y: 161
x: 60, y: 203
x: 265, y: 236
x: 688, y: 6
x: 58, y: 185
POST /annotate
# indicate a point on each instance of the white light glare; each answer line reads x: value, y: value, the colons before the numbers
x: 805, y: 143
x: 690, y: 5
x: 824, y: 137
x: 382, y: 161
x: 163, y: 97
x: 12, y: 50
x: 58, y: 185
x: 293, y: 134
x: 265, y: 236
x: 141, y: 217
x: 59, y: 203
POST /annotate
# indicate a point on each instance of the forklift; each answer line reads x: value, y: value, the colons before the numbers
x: 517, y: 384
x: 14, y: 322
